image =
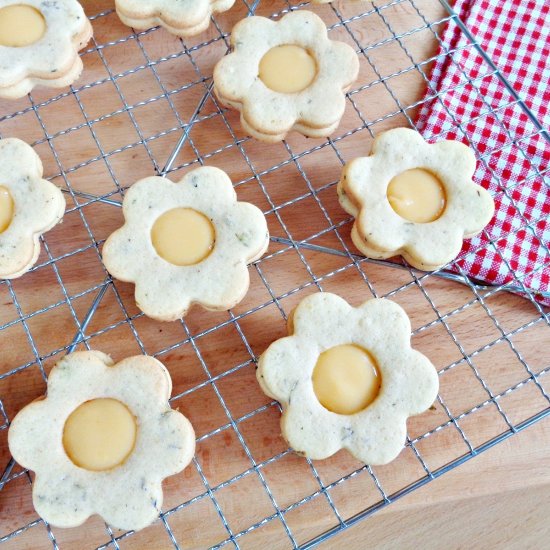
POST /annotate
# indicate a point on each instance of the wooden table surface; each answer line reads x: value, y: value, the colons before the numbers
x: 132, y: 92
x: 500, y: 499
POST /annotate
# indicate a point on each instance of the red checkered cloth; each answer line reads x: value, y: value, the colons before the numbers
x: 466, y: 101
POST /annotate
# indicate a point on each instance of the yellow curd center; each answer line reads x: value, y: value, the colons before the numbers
x: 183, y: 236
x: 346, y: 379
x: 287, y: 69
x: 417, y: 195
x: 21, y: 25
x: 100, y: 434
x: 6, y: 208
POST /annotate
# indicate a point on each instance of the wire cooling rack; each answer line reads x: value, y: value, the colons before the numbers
x: 143, y: 106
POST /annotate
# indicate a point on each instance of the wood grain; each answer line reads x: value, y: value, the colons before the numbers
x: 500, y: 499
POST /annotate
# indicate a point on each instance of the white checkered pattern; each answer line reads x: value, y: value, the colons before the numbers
x: 514, y: 157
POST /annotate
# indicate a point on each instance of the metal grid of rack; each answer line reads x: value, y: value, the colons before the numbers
x: 150, y: 109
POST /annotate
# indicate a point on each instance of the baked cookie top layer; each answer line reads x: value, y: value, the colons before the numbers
x: 53, y: 56
x: 379, y: 231
x: 128, y: 496
x: 164, y: 290
x: 409, y: 382
x: 273, y: 114
x: 182, y: 17
x: 37, y: 205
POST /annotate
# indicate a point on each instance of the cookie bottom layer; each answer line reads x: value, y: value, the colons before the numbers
x: 303, y: 129
x: 25, y: 86
x: 346, y: 201
x: 140, y: 19
x: 374, y: 253
x: 142, y: 23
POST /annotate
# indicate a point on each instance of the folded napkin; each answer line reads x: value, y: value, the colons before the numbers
x: 466, y: 100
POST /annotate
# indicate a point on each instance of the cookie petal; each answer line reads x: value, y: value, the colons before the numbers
x: 305, y: 25
x: 455, y: 153
x: 256, y: 28
x: 250, y: 230
x: 142, y: 498
x: 154, y: 380
x: 210, y: 182
x: 281, y: 367
x: 85, y: 366
x: 433, y: 249
x: 319, y: 313
x: 310, y: 434
x: 322, y: 110
x: 422, y: 381
x: 32, y: 446
x: 63, y: 502
x: 269, y: 112
x: 344, y: 58
x: 172, y: 432
x: 396, y: 143
x: 380, y: 442
x: 374, y: 317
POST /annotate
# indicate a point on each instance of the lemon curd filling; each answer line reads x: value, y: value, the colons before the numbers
x: 21, y: 25
x: 183, y: 236
x: 346, y: 379
x: 100, y: 434
x: 417, y: 195
x: 287, y: 69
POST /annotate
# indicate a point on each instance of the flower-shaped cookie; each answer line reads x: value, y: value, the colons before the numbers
x: 182, y: 17
x: 286, y: 75
x: 102, y: 441
x: 29, y: 206
x: 413, y: 198
x: 39, y: 44
x: 327, y: 333
x: 186, y: 242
